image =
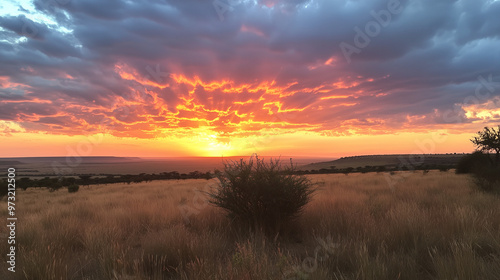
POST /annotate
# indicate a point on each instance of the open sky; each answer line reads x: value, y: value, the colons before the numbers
x: 233, y: 77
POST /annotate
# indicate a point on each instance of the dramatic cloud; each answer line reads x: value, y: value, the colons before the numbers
x: 157, y: 68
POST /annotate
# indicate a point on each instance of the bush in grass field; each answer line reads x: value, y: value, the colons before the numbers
x: 73, y: 188
x: 488, y: 179
x: 471, y: 162
x: 262, y: 195
x: 487, y: 174
x: 488, y: 141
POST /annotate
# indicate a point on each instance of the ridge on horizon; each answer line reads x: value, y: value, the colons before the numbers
x: 238, y: 156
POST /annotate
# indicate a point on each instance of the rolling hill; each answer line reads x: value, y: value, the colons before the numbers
x: 385, y: 160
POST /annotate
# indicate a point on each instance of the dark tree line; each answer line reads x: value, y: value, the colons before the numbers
x: 378, y: 169
x: 484, y: 163
x: 56, y: 183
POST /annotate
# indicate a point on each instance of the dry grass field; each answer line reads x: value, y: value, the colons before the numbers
x: 433, y: 226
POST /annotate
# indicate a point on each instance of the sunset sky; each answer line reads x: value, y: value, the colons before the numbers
x: 234, y: 77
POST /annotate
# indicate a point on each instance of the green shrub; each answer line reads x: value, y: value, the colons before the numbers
x: 73, y: 188
x: 263, y: 196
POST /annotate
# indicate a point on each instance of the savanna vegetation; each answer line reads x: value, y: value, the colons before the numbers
x: 261, y: 196
x: 484, y: 163
x: 54, y: 183
x: 433, y: 226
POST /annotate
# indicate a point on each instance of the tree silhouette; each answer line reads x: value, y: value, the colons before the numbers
x: 348, y: 170
x: 488, y: 140
x: 25, y: 183
x: 85, y: 179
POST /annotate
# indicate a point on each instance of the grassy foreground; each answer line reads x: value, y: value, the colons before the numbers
x: 433, y: 226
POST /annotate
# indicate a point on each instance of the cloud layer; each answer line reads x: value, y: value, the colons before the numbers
x: 160, y: 68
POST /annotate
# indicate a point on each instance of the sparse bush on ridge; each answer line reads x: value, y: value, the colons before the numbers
x: 263, y: 196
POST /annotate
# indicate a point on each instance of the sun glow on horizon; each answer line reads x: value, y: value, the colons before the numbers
x: 298, y: 144
x: 268, y: 79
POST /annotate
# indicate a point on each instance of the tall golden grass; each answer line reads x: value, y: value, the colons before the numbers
x: 435, y: 226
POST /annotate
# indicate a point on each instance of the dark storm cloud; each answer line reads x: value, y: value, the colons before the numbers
x: 23, y: 26
x: 418, y: 58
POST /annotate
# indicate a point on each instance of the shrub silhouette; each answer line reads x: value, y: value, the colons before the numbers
x: 488, y: 140
x: 73, y: 188
x: 486, y: 172
x: 263, y: 196
x: 471, y: 162
x: 488, y: 179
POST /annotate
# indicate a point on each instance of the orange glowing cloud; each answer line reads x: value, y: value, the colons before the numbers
x: 6, y: 82
x: 221, y: 116
x: 129, y: 73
